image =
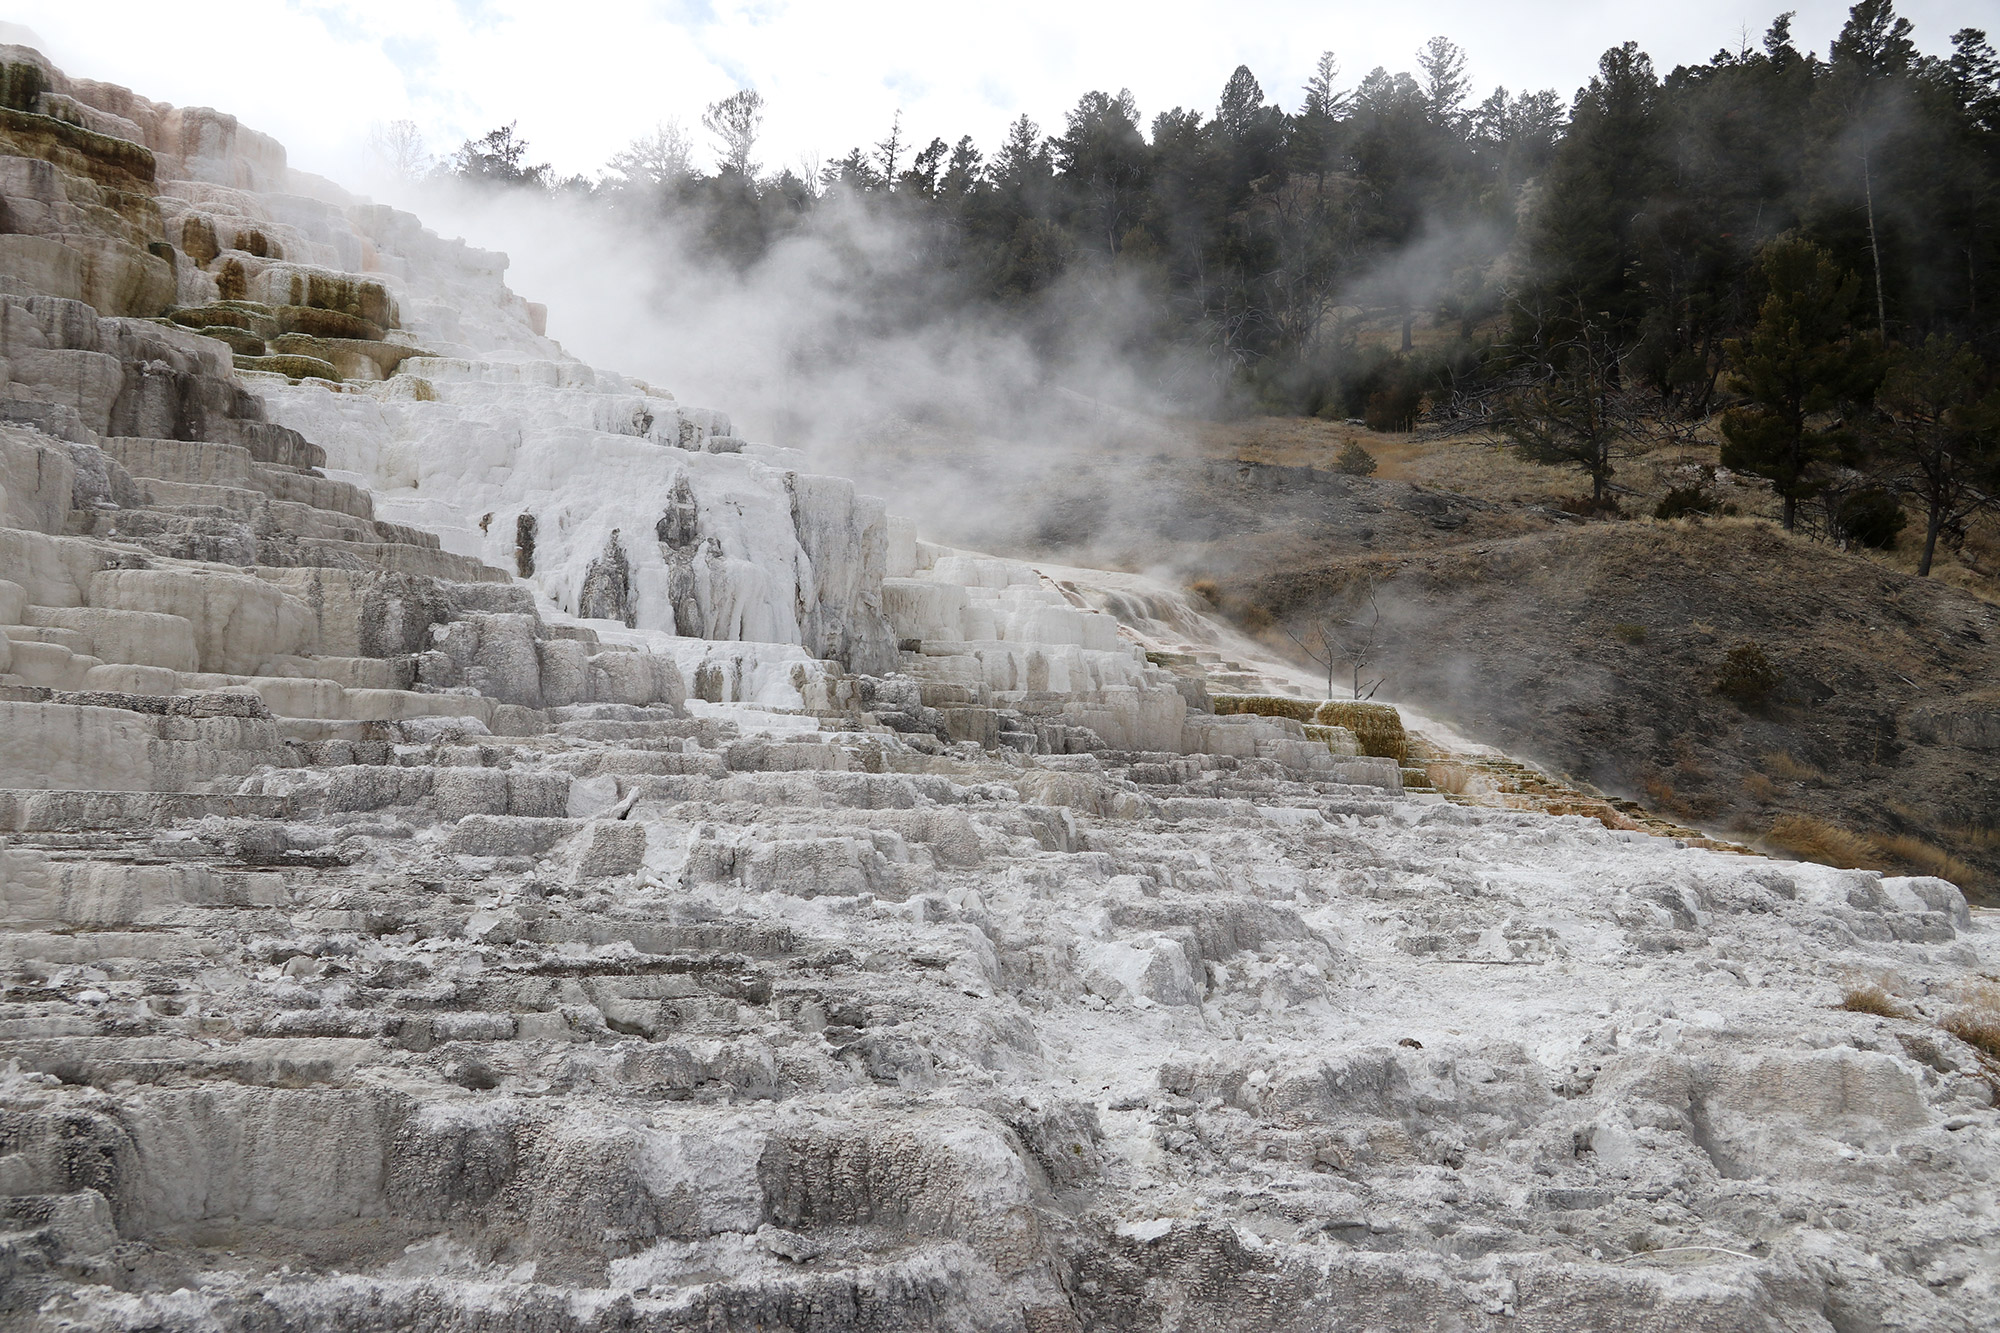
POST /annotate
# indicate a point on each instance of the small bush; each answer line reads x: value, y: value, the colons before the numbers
x: 1208, y: 590
x: 1393, y: 410
x: 1629, y: 633
x: 1871, y: 1000
x: 1747, y: 676
x: 1872, y: 517
x: 1586, y: 506
x: 1256, y: 619
x: 1355, y: 461
x: 1684, y: 502
x: 1760, y: 787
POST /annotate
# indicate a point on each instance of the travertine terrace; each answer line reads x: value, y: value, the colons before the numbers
x: 483, y: 846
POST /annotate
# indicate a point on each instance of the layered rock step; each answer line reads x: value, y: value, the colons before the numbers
x: 483, y: 845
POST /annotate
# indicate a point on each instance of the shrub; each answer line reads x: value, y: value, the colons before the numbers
x: 1355, y: 461
x: 1591, y: 507
x: 1208, y: 590
x: 1747, y: 676
x: 1872, y: 517
x: 1264, y: 705
x: 1683, y: 501
x: 1393, y: 410
x: 1378, y: 727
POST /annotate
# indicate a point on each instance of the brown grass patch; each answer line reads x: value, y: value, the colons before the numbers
x: 1789, y: 768
x: 1811, y: 839
x: 1760, y: 787
x: 1808, y: 839
x: 1872, y: 1000
x: 1914, y: 852
x: 1976, y: 1021
x: 1981, y: 1031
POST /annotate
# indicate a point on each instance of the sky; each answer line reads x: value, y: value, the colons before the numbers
x: 585, y: 77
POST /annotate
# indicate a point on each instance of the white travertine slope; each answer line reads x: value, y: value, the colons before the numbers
x: 415, y: 917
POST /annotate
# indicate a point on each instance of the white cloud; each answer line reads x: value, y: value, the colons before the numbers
x: 585, y: 77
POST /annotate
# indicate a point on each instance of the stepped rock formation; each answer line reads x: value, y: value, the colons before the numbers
x: 482, y: 846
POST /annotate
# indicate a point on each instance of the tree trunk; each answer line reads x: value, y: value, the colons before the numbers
x: 1868, y: 196
x: 1409, y: 318
x: 1931, y: 527
x: 1791, y: 513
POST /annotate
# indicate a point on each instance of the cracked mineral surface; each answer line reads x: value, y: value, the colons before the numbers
x: 483, y: 846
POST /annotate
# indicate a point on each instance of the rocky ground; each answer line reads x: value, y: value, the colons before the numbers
x: 482, y: 846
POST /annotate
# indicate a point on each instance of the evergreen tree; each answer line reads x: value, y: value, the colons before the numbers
x: 1800, y: 363
x: 1586, y: 235
x: 1639, y: 211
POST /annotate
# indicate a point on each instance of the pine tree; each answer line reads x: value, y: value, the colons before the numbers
x: 1585, y: 240
x: 1801, y: 361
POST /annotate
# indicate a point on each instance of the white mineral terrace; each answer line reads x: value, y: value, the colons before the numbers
x: 483, y: 846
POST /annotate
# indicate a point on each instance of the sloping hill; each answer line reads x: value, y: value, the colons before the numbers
x: 1597, y: 649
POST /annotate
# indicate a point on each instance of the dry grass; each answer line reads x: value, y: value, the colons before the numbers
x: 1976, y: 1021
x: 1788, y: 768
x: 1811, y: 839
x: 1760, y: 787
x: 1872, y: 1000
x: 1808, y: 839
x: 1978, y: 1030
x: 1922, y: 856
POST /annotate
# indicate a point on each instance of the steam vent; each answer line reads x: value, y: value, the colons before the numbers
x: 483, y: 846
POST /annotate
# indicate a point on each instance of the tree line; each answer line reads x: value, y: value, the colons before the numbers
x: 1803, y: 248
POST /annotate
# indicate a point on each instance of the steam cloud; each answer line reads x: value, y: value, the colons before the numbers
x: 840, y: 342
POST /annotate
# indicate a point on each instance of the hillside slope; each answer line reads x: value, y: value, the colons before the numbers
x: 1597, y: 650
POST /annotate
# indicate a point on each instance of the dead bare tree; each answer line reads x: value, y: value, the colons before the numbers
x: 1348, y: 633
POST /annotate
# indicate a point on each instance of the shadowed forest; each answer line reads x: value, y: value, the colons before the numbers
x: 1807, y: 245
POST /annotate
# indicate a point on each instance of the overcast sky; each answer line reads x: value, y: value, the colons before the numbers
x: 583, y: 77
